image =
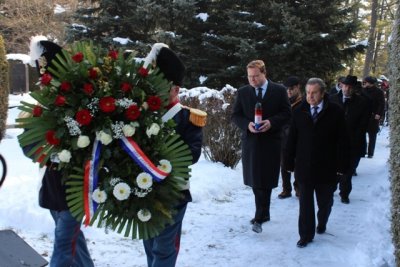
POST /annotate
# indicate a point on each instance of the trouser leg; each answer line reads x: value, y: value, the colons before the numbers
x: 306, y: 211
x: 286, y: 185
x: 162, y: 250
x: 324, y: 194
x: 262, y: 200
x: 70, y: 247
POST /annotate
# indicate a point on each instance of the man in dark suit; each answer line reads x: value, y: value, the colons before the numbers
x: 357, y: 113
x: 316, y: 151
x: 338, y: 86
x: 378, y: 108
x: 295, y: 95
x: 261, y: 147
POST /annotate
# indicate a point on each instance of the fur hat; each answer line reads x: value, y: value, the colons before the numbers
x: 291, y: 81
x: 168, y: 62
x: 370, y: 79
x: 42, y: 52
x: 350, y: 80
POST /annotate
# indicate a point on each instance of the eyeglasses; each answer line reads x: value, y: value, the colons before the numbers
x: 253, y: 76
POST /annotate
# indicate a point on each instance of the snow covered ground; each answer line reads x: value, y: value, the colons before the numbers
x: 216, y: 230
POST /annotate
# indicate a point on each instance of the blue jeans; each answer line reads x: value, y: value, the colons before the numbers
x: 70, y: 248
x: 162, y: 250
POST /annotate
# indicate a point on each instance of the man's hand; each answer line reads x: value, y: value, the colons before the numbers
x: 264, y: 126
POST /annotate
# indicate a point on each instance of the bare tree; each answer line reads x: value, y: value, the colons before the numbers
x: 22, y: 19
x: 371, y: 38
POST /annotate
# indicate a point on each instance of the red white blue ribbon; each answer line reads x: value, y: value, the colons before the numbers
x: 136, y: 153
x: 91, y: 179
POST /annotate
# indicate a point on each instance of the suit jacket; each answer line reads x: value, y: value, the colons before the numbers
x: 261, y: 151
x: 317, y: 151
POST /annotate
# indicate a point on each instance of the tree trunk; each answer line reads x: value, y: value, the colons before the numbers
x: 394, y: 122
x: 371, y: 38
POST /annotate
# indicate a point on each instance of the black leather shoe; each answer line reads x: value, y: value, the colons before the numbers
x: 345, y: 200
x: 370, y: 156
x: 321, y: 229
x: 257, y: 227
x: 302, y: 243
x: 284, y: 194
x: 265, y: 219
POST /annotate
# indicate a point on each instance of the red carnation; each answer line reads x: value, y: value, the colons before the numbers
x: 143, y: 72
x: 126, y: 87
x: 83, y: 117
x: 154, y: 102
x: 132, y: 112
x: 88, y: 88
x: 37, y: 111
x: 60, y: 100
x: 65, y: 86
x: 107, y: 104
x: 92, y: 73
x: 113, y: 54
x: 51, y: 138
x: 78, y: 57
x: 46, y: 79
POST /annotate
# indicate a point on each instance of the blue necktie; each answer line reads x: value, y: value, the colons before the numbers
x: 259, y: 95
x: 314, y: 115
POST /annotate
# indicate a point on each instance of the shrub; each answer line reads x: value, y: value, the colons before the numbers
x: 4, y: 91
x: 221, y: 140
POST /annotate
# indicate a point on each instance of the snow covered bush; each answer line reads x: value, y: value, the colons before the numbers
x: 221, y: 138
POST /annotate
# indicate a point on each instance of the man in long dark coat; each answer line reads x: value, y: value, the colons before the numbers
x: 357, y: 113
x: 316, y: 151
x: 377, y: 98
x: 261, y: 148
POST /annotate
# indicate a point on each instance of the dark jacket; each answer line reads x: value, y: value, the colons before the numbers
x: 52, y: 192
x: 316, y: 152
x: 261, y: 151
x: 192, y: 135
x: 357, y: 113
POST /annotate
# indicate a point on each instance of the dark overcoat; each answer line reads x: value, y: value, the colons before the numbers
x: 357, y: 113
x: 261, y: 151
x: 317, y: 151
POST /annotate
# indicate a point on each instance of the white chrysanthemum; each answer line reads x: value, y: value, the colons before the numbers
x: 64, y: 156
x: 83, y: 141
x: 165, y: 166
x: 104, y: 138
x: 128, y: 130
x: 144, y: 215
x: 99, y: 196
x: 144, y: 180
x: 122, y: 191
x: 153, y: 129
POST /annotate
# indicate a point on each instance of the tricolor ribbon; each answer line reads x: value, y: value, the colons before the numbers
x: 136, y: 153
x: 91, y: 178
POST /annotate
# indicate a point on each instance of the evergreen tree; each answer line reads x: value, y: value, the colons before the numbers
x: 306, y: 38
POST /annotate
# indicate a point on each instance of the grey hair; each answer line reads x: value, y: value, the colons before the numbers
x: 320, y: 82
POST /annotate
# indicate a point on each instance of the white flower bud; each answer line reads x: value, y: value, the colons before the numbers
x: 104, y: 138
x: 128, y: 130
x: 64, y: 155
x: 153, y: 130
x: 83, y: 141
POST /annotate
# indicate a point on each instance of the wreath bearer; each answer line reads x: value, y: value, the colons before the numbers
x: 70, y: 248
x: 162, y: 250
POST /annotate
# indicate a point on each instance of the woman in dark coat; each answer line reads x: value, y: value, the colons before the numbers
x: 261, y: 148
